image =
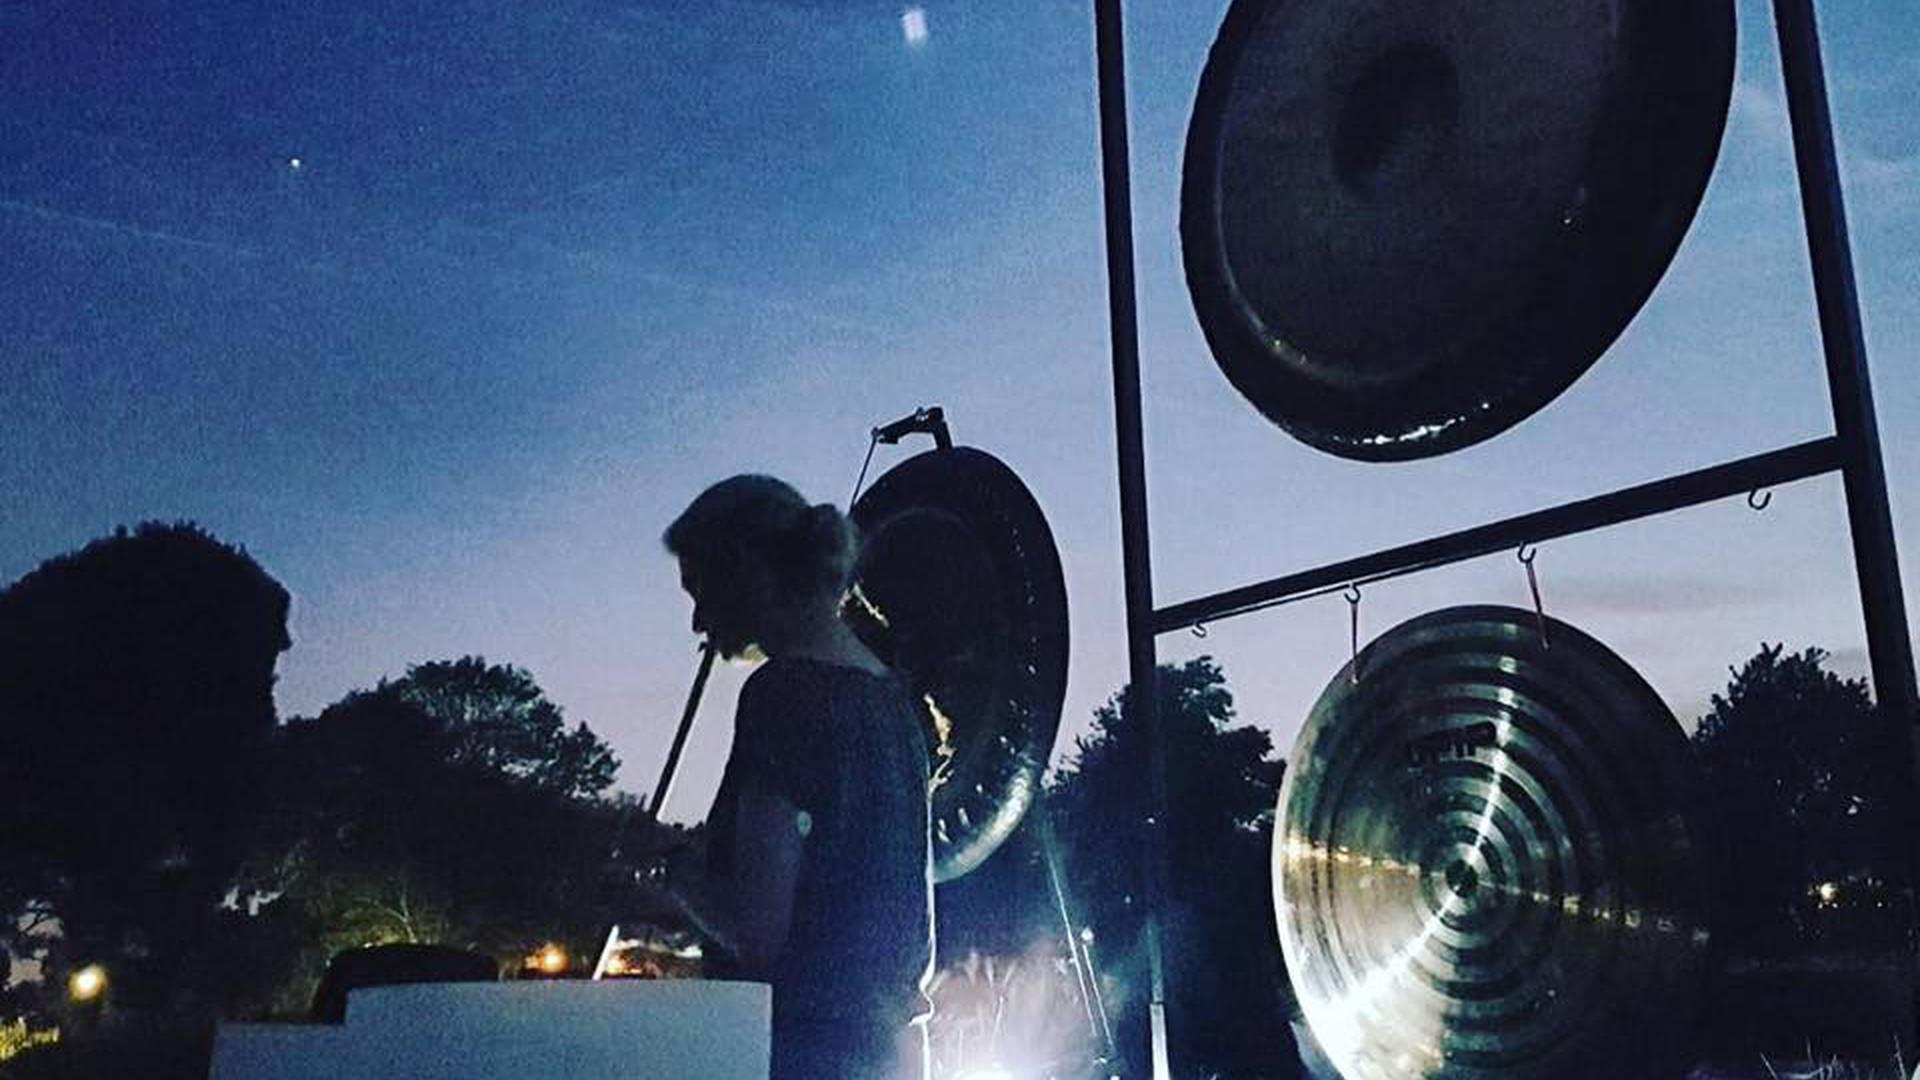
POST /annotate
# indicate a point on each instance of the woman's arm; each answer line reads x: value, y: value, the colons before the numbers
x: 769, y: 844
x: 751, y: 915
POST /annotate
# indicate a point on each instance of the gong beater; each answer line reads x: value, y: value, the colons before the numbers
x: 1485, y: 863
x: 959, y: 588
x: 1408, y: 226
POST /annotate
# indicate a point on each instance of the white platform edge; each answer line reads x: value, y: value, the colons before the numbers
x: 624, y: 1029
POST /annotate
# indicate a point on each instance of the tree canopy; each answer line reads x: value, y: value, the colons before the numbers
x: 450, y: 806
x: 160, y: 820
x: 497, y: 718
x: 1807, y: 781
x: 1229, y: 994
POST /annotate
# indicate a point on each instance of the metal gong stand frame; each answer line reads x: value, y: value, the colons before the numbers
x: 1853, y: 450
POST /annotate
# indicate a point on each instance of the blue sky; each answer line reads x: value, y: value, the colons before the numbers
x: 540, y: 275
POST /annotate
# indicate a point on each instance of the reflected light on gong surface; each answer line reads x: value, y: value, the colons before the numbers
x: 1342, y: 1024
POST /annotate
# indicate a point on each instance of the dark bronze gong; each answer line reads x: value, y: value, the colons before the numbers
x: 1409, y: 226
x: 1485, y: 863
x: 959, y: 587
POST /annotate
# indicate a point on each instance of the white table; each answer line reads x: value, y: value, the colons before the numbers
x: 616, y: 1029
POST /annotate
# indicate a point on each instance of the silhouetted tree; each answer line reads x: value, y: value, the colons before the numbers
x: 1229, y: 999
x: 451, y: 806
x: 136, y: 706
x: 1806, y: 780
x: 496, y: 717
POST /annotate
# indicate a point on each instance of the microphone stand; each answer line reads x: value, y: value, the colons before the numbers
x: 686, y: 725
x: 614, y: 942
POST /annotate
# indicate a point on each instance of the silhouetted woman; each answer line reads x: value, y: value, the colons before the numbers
x: 819, y: 872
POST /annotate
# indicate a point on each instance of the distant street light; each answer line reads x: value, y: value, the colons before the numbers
x: 552, y: 960
x: 87, y: 984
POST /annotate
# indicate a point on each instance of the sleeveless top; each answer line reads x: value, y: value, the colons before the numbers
x: 845, y: 746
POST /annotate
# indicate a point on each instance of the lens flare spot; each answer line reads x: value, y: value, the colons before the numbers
x: 913, y: 26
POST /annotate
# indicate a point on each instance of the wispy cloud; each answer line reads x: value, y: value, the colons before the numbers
x: 1878, y: 184
x: 122, y: 228
x: 1883, y: 183
x: 1759, y: 110
x: 1850, y: 662
x: 1655, y: 595
x: 722, y: 295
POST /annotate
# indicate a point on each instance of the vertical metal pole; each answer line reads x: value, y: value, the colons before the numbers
x: 1876, y: 560
x: 1143, y: 695
x: 1889, y: 646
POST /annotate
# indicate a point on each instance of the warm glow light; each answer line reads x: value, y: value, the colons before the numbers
x: 551, y: 960
x: 1829, y: 892
x: 88, y: 983
x: 913, y: 24
x: 943, y: 748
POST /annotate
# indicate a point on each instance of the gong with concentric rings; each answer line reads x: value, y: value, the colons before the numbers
x: 1485, y: 860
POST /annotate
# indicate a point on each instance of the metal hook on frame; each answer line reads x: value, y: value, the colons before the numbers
x: 1353, y: 634
x: 1199, y: 629
x: 1759, y: 499
x: 1526, y: 555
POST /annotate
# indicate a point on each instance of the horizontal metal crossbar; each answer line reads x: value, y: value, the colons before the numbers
x: 1739, y: 477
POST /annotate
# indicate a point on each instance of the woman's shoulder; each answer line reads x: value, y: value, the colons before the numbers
x: 773, y: 680
x: 784, y: 682
x: 781, y: 680
x: 790, y: 669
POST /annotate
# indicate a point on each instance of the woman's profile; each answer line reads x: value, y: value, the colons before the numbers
x: 819, y: 873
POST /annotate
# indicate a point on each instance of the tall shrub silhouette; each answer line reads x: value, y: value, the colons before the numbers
x: 136, y: 706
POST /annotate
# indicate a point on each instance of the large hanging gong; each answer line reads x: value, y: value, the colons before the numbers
x: 1485, y: 863
x: 1408, y: 226
x: 959, y: 587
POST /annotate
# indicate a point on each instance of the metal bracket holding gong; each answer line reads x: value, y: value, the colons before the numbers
x: 930, y: 420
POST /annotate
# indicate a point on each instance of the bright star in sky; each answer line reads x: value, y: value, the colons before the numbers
x: 913, y: 24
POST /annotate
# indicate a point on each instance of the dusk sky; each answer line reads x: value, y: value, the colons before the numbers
x: 443, y: 311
